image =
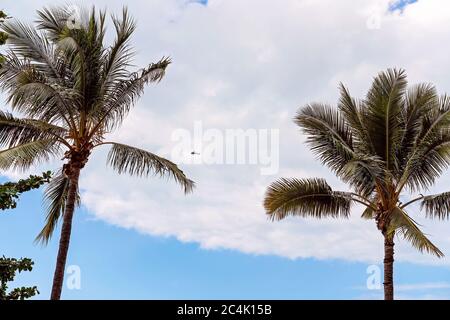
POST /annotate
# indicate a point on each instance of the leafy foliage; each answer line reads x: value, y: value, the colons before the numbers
x: 9, y: 267
x: 139, y: 162
x: 10, y: 191
x: 404, y: 224
x: 55, y: 196
x: 395, y: 140
x: 306, y: 197
x: 437, y: 205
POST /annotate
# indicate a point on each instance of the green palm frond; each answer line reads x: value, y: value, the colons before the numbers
x: 403, y: 223
x: 419, y: 101
x: 118, y: 57
x: 431, y: 153
x: 28, y: 43
x: 364, y: 174
x: 331, y: 139
x: 53, y: 20
x: 55, y: 196
x: 36, y: 95
x: 124, y: 94
x: 328, y: 134
x: 81, y: 47
x: 353, y: 112
x: 23, y: 156
x: 305, y: 198
x: 15, y: 131
x: 139, y: 162
x: 437, y: 205
x: 384, y: 103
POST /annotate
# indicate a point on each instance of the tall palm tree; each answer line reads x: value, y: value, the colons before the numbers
x: 394, y: 142
x: 72, y: 90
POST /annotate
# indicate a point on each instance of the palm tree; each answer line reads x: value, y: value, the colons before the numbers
x: 393, y: 142
x: 72, y: 90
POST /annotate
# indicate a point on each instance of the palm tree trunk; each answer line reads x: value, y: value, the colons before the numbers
x: 388, y: 268
x: 58, y: 278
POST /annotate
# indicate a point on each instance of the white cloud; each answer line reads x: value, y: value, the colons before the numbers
x: 251, y: 64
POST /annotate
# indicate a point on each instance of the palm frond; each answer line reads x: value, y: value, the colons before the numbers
x: 28, y: 43
x: 305, y: 198
x: 328, y: 134
x: 15, y: 131
x: 23, y: 156
x: 419, y: 101
x: 402, y: 222
x: 431, y: 153
x: 34, y: 94
x: 364, y: 173
x: 138, y: 162
x: 437, y: 205
x: 124, y: 94
x: 53, y: 20
x: 118, y: 57
x: 353, y: 112
x: 55, y: 196
x: 384, y: 103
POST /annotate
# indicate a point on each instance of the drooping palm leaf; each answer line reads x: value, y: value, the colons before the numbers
x: 305, y: 198
x: 27, y: 42
x: 55, y: 196
x: 328, y: 135
x: 402, y: 222
x: 34, y: 94
x: 23, y: 156
x: 437, y: 206
x: 139, y: 162
x: 15, y: 131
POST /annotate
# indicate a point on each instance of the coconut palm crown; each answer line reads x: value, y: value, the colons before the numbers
x: 393, y: 143
x: 68, y: 90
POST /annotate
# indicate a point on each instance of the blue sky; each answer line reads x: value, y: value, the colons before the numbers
x: 143, y: 239
x: 400, y: 4
x: 117, y: 263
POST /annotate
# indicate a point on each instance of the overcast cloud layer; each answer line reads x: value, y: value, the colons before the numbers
x: 251, y: 64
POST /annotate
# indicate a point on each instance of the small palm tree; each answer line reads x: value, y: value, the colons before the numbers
x: 394, y: 141
x: 72, y: 90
